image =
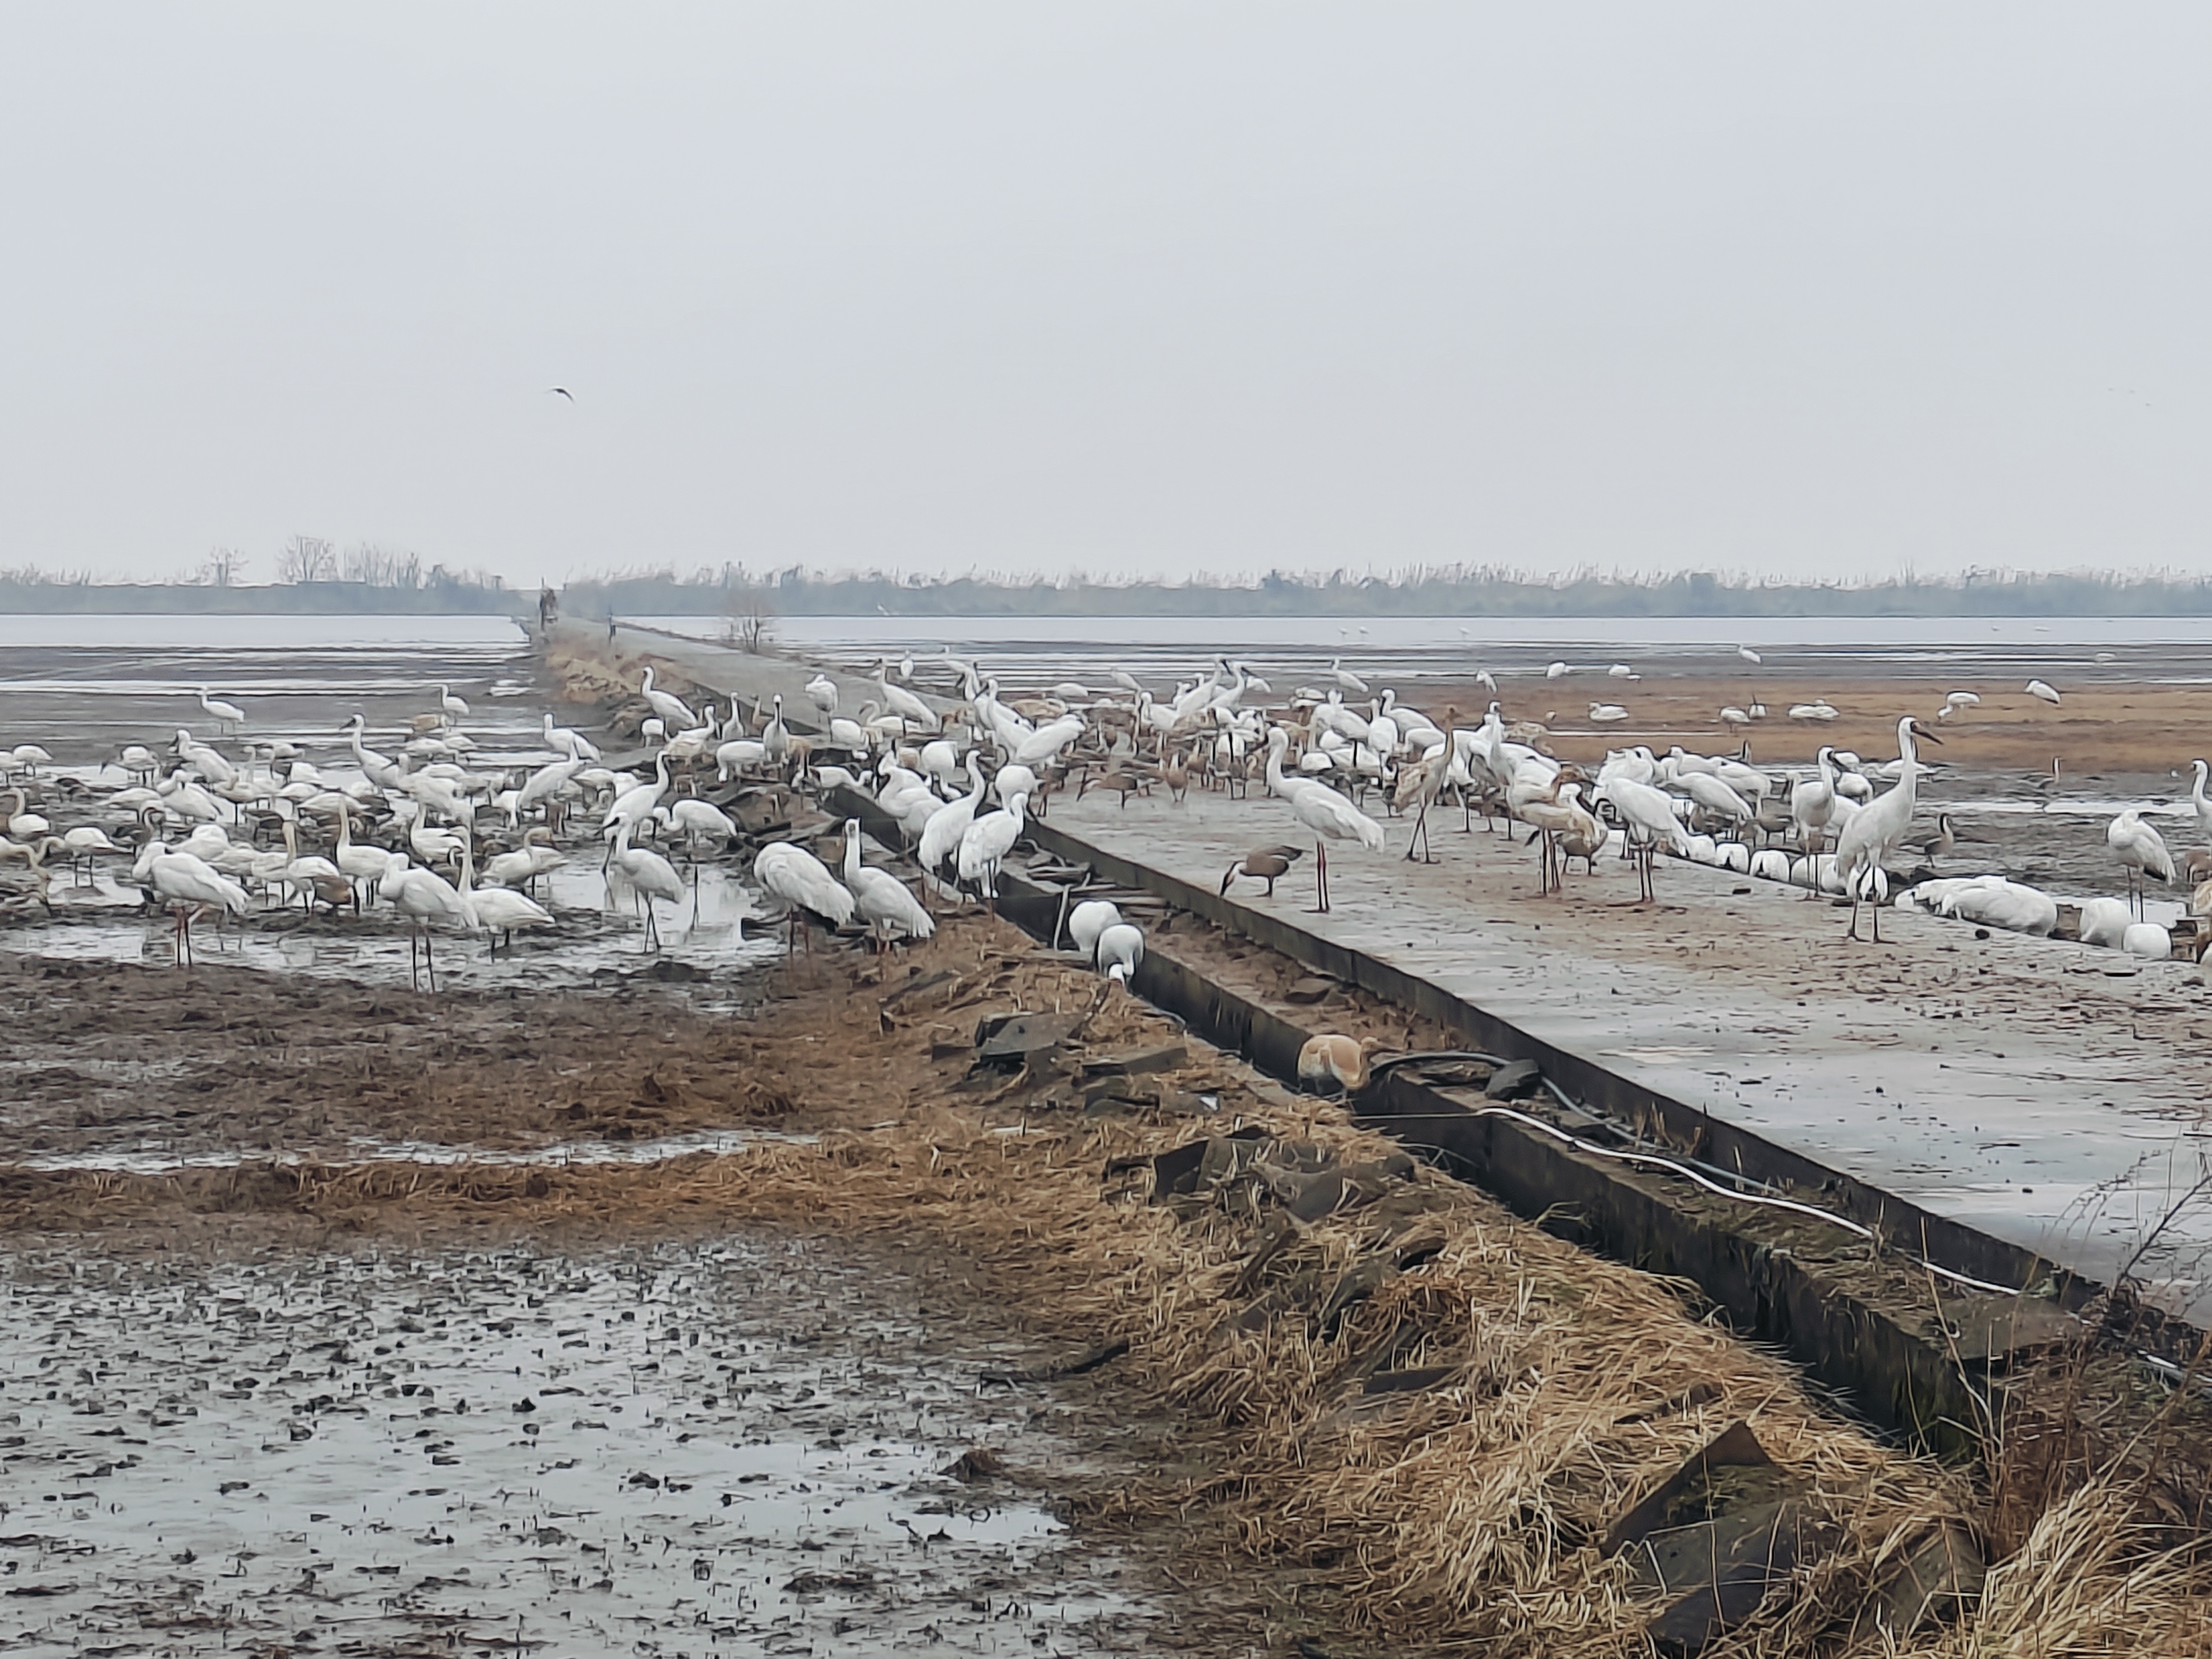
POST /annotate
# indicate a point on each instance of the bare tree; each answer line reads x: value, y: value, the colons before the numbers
x: 307, y: 559
x: 221, y: 567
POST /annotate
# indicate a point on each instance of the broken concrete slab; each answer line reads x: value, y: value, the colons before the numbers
x: 1940, y: 1577
x: 1986, y: 1328
x: 1132, y: 1062
x: 1517, y: 1080
x: 1308, y: 990
x: 1009, y: 1040
x: 1724, y: 1570
x: 1419, y: 1380
x: 1720, y: 1533
x: 1702, y: 1485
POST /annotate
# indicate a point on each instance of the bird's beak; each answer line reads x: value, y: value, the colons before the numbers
x: 1920, y: 731
x: 1228, y: 876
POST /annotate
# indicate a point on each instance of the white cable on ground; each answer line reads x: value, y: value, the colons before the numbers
x: 1675, y: 1166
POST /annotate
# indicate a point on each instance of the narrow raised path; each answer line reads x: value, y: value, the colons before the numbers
x: 2049, y: 1094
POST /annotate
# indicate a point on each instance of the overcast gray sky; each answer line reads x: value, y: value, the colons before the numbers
x: 1130, y: 287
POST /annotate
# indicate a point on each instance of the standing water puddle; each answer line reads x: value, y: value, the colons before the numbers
x: 728, y: 1448
x: 157, y: 1160
x: 596, y: 932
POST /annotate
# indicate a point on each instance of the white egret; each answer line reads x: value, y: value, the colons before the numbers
x: 230, y: 716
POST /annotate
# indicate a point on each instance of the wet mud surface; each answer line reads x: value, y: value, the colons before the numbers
x: 733, y: 1446
x: 117, y: 1067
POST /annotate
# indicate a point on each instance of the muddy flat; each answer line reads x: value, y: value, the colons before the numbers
x: 736, y: 1446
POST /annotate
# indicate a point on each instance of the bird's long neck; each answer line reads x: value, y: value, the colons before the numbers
x: 852, y: 854
x: 1908, y: 755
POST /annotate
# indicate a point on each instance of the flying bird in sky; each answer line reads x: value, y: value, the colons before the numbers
x: 561, y: 390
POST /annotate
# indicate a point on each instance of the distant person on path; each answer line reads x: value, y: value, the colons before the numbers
x: 610, y: 630
x: 547, y: 609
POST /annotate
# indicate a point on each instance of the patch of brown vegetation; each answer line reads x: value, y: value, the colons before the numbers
x: 2097, y: 728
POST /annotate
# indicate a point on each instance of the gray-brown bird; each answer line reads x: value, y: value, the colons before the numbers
x: 1266, y: 864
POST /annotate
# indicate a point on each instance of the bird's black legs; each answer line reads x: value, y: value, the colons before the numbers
x: 1321, y: 878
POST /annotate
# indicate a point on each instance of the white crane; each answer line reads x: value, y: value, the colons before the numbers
x: 575, y: 744
x: 803, y: 883
x: 451, y: 708
x: 880, y: 898
x: 207, y: 762
x: 904, y: 703
x: 692, y: 818
x: 189, y: 885
x: 948, y: 824
x: 2200, y: 806
x: 635, y: 805
x: 230, y: 716
x: 1345, y: 680
x: 306, y: 874
x: 1812, y: 801
x: 775, y: 740
x: 1087, y: 921
x: 1648, y: 815
x: 2043, y: 691
x: 497, y: 910
x: 675, y: 714
x: 1878, y: 828
x: 984, y: 847
x: 1716, y: 797
x: 649, y: 876
x: 822, y: 692
x: 2141, y: 851
x: 424, y: 897
x: 1321, y: 810
x: 522, y: 867
x: 1042, y: 746
x: 1119, y: 952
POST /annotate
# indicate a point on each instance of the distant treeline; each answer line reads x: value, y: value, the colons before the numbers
x: 307, y: 599
x: 735, y: 592
x: 314, y: 577
x: 1451, y: 591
